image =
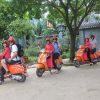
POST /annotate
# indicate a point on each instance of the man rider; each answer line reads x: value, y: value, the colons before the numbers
x: 93, y: 43
x: 57, y: 50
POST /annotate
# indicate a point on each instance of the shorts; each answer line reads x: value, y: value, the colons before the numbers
x: 12, y: 61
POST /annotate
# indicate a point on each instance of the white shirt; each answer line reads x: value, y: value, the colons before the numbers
x: 93, y: 43
x: 13, y: 50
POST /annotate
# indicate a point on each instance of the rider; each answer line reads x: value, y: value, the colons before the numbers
x: 57, y: 50
x: 4, y: 55
x: 49, y: 49
x: 13, y: 57
x: 88, y: 49
x: 93, y: 43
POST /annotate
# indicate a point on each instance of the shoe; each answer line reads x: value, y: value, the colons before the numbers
x: 7, y: 73
x: 91, y: 64
x: 1, y: 82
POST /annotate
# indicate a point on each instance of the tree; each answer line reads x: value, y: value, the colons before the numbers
x: 27, y: 8
x: 73, y: 12
x: 97, y: 7
x: 20, y: 27
x: 6, y: 15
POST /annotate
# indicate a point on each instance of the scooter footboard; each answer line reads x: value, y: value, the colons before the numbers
x: 16, y: 69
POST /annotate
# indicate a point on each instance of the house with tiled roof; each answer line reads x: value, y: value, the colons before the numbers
x: 88, y: 28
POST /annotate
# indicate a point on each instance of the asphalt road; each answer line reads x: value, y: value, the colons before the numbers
x: 70, y: 84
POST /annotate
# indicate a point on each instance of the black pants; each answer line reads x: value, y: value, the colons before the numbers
x: 55, y: 56
x: 88, y: 54
x: 93, y: 50
x: 2, y: 72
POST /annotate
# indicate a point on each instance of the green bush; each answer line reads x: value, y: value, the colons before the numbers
x: 33, y: 59
x: 66, y: 55
x: 1, y: 47
x: 34, y: 51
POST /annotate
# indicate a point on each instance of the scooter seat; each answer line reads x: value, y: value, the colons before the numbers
x: 19, y: 62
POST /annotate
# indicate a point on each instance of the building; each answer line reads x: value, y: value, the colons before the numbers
x: 88, y: 28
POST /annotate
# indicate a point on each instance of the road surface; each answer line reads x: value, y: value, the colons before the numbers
x: 70, y: 84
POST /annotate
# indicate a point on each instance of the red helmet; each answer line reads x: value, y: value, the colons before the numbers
x: 54, y: 37
x: 6, y: 42
x: 47, y: 39
x: 11, y: 39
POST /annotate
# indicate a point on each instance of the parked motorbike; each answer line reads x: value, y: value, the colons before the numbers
x: 41, y: 66
x: 81, y: 57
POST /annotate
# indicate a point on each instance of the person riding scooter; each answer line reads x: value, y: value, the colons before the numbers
x: 13, y: 57
x: 93, y: 43
x: 49, y: 49
x: 57, y: 50
x: 4, y: 55
x: 88, y: 49
x: 45, y: 60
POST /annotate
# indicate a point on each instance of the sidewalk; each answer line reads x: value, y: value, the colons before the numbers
x: 66, y: 62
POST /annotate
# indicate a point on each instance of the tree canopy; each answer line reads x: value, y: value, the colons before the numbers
x: 20, y: 27
x: 70, y: 12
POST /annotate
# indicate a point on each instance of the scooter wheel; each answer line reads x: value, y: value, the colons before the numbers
x: 39, y: 72
x: 76, y: 63
x: 94, y: 63
x: 23, y: 78
x: 59, y: 66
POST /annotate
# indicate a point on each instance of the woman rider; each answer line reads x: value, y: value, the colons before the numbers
x: 49, y: 49
x: 4, y: 55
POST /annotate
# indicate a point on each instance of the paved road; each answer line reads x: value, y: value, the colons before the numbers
x: 70, y: 84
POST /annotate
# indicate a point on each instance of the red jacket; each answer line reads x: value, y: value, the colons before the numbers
x: 5, y: 53
x: 88, y: 45
x: 49, y: 48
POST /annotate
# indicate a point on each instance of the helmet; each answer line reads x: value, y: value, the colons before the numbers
x: 11, y: 39
x: 54, y: 37
x: 6, y: 42
x: 92, y: 36
x: 47, y: 39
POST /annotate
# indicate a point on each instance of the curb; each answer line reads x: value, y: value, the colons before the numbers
x: 63, y: 65
x: 68, y: 64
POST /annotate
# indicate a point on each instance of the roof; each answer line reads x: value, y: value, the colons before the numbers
x: 89, y: 25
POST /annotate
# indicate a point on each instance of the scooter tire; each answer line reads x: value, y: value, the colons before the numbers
x: 58, y: 67
x: 23, y: 78
x: 76, y: 63
x: 39, y: 72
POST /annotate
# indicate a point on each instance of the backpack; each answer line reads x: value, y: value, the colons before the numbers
x: 20, y: 50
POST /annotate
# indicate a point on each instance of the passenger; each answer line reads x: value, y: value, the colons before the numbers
x: 93, y: 43
x: 57, y: 50
x: 49, y: 49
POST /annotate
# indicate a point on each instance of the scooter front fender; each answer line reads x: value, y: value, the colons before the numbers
x: 39, y: 66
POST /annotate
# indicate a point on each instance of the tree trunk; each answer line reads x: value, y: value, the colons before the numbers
x: 72, y: 46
